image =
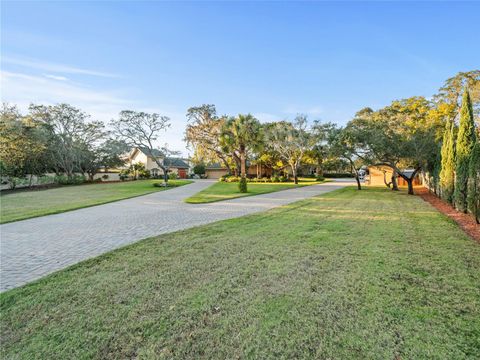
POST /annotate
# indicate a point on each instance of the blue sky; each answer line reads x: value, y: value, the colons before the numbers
x: 272, y: 59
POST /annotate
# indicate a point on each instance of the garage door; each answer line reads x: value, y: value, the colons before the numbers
x: 182, y: 173
x: 215, y: 174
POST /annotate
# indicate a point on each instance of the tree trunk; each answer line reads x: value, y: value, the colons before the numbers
x: 476, y: 212
x: 161, y: 166
x: 410, y: 186
x: 227, y: 165
x: 237, y: 163
x: 319, y: 168
x: 295, y: 176
x: 165, y: 176
x: 354, y: 171
x: 359, y: 186
x: 385, y: 179
x: 409, y: 180
x: 394, y: 181
x: 243, y: 164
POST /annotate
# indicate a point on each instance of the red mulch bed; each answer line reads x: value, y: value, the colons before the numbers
x: 465, y: 221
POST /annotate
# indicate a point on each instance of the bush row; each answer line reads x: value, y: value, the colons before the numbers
x: 337, y: 175
x: 142, y: 175
x: 274, y: 179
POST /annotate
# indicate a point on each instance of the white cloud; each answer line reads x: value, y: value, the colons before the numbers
x: 58, y: 68
x: 24, y: 89
x: 56, y: 77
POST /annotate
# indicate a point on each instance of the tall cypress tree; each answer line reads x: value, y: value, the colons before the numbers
x: 465, y: 142
x: 474, y: 183
x: 447, y: 171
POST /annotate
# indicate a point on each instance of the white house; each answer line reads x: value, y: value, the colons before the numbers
x: 177, y: 165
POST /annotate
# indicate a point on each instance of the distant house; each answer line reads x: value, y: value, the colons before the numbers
x: 216, y: 170
x: 377, y: 175
x: 141, y: 155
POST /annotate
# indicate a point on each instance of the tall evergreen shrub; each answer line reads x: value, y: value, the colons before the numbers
x: 465, y: 142
x: 473, y: 197
x: 447, y: 170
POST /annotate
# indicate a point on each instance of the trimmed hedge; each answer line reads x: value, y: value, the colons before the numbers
x: 273, y: 179
x: 338, y: 175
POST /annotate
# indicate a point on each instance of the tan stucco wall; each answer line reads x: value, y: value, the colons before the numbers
x: 140, y: 158
x: 147, y: 161
x: 151, y: 164
x: 376, y: 176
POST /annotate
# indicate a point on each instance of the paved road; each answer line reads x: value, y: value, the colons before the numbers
x: 31, y: 249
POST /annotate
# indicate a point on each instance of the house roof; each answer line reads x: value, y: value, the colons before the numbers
x: 155, y: 152
x: 219, y: 166
x: 176, y: 163
x: 172, y: 162
x: 407, y: 172
x: 215, y: 166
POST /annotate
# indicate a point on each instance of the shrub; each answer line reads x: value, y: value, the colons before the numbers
x: 15, y: 181
x: 320, y: 178
x: 98, y: 180
x: 227, y: 178
x: 173, y: 176
x: 242, y: 185
x: 337, y: 175
x: 275, y: 179
x: 144, y: 174
x: 473, y: 197
x: 45, y: 180
x: 466, y: 139
x: 164, y: 184
x: 233, y: 178
x: 123, y: 175
x: 105, y: 177
x: 73, y: 180
x: 199, y: 169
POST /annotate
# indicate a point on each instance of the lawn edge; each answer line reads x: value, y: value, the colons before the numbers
x: 92, y: 205
x: 247, y: 195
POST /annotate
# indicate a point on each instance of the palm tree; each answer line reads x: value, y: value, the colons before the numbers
x: 240, y: 135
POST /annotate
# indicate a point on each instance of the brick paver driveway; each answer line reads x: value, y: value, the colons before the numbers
x: 33, y: 248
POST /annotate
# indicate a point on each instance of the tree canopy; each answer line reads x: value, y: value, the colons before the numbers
x: 142, y: 130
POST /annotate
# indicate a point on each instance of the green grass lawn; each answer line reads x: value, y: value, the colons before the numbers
x: 32, y: 203
x: 223, y: 191
x: 368, y: 274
